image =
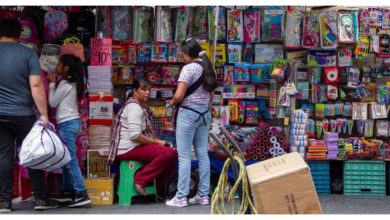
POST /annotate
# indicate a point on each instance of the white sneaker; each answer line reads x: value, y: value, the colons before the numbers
x: 177, y: 202
x: 203, y: 200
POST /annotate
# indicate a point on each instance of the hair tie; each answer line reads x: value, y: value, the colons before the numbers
x: 188, y: 39
x: 202, y: 53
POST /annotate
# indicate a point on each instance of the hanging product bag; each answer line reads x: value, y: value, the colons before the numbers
x: 72, y: 46
x: 49, y: 58
x: 43, y: 149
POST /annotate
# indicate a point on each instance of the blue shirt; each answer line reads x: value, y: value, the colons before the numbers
x: 17, y: 63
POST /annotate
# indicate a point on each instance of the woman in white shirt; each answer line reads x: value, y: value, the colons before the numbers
x: 65, y: 95
x: 134, y: 139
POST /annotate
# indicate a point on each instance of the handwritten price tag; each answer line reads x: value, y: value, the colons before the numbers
x: 101, y: 52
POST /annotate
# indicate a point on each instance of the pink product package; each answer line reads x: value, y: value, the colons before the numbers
x: 311, y: 32
x: 252, y: 25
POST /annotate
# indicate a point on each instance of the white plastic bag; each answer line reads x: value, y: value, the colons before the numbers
x: 43, y: 149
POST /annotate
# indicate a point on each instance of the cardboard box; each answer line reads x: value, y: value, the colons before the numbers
x: 97, y: 163
x: 100, y: 191
x: 283, y: 185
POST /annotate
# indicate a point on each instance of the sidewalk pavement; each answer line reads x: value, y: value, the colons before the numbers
x: 333, y: 204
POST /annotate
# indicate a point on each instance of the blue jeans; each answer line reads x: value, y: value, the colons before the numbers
x: 191, y: 129
x: 72, y: 179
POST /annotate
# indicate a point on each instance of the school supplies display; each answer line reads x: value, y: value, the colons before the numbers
x: 273, y: 24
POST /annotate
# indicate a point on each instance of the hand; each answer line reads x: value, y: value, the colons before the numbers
x: 51, y: 78
x: 171, y: 102
x: 161, y: 142
x: 45, y: 121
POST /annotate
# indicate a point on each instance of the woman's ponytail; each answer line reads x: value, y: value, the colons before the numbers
x: 210, y: 82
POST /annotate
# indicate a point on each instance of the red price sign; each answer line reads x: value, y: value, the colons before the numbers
x: 101, y: 52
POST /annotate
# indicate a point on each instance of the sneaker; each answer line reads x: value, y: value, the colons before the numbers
x: 64, y: 197
x: 177, y: 202
x: 5, y: 207
x: 203, y: 200
x: 81, y: 199
x: 44, y: 204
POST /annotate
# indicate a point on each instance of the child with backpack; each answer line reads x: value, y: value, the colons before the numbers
x: 65, y: 95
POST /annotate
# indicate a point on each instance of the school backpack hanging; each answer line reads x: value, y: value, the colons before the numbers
x: 37, y: 15
x: 29, y: 32
x: 55, y: 23
x: 83, y: 25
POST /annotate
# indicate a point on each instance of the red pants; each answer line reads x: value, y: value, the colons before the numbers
x: 160, y: 163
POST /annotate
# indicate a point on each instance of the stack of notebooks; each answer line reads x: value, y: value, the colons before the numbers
x: 332, y: 140
x: 317, y: 150
x: 99, y: 78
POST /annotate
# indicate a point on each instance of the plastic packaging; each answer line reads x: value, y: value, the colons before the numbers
x: 310, y: 34
x: 346, y: 27
x: 293, y: 30
x: 273, y: 23
x: 235, y: 26
x: 252, y: 25
x: 328, y: 29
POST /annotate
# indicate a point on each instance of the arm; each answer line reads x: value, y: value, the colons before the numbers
x: 57, y: 95
x: 39, y: 96
x: 179, y: 94
x: 147, y: 140
x: 211, y: 99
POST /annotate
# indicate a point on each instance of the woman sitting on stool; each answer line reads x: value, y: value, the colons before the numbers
x: 134, y: 139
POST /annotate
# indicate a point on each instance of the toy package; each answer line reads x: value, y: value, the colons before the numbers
x: 321, y: 58
x: 331, y: 75
x: 251, y: 113
x: 233, y: 110
x: 220, y: 74
x: 152, y: 74
x: 181, y: 21
x: 169, y: 74
x: 234, y: 52
x: 344, y: 57
x: 199, y: 27
x: 273, y: 23
x: 228, y: 72
x: 252, y: 25
x: 293, y: 34
x: 315, y: 75
x: 346, y: 27
x: 259, y: 73
x: 320, y: 110
x: 221, y: 29
x: 359, y: 111
x: 160, y: 52
x: 332, y: 92
x: 241, y: 72
x: 384, y: 46
x: 125, y: 74
x: 328, y: 29
x: 121, y: 23
x: 119, y: 52
x: 235, y: 26
x: 362, y: 47
x: 364, y: 21
x: 375, y: 17
x: 163, y: 26
x: 144, y: 52
x: 132, y: 53
x: 248, y: 52
x: 206, y: 47
x: 386, y: 19
x: 138, y: 72
x: 370, y: 90
x: 143, y: 23
x: 311, y: 31
x: 266, y: 53
x: 303, y: 90
x: 220, y: 56
x: 241, y: 112
x: 172, y: 52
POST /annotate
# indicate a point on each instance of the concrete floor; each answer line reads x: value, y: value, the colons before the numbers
x: 334, y: 204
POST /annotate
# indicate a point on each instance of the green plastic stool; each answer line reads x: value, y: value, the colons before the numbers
x: 126, y: 189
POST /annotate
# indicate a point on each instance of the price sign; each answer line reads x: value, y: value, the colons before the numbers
x: 101, y: 52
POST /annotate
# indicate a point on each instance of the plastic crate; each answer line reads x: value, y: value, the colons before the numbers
x: 319, y: 165
x: 365, y: 178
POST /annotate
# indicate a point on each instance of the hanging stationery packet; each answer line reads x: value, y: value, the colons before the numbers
x: 163, y: 26
x: 314, y: 94
x: 362, y: 48
x: 252, y: 25
x: 347, y: 111
x: 293, y: 35
x: 359, y: 111
x: 384, y: 46
x: 266, y: 53
x: 143, y: 23
x: 260, y: 73
x: 375, y: 17
x: 331, y: 75
x: 248, y: 51
x: 346, y: 27
x: 199, y: 25
x: 284, y: 98
x: 320, y: 110
x: 315, y: 75
x: 344, y: 57
x: 221, y: 29
x: 152, y: 73
x: 310, y: 33
x: 121, y: 23
x: 160, y: 52
x: 321, y: 58
x: 378, y: 111
x: 322, y: 96
x: 234, y: 52
x: 382, y: 128
x: 144, y: 52
x: 353, y: 74
x: 273, y: 24
x: 374, y: 44
x: 169, y: 74
x: 328, y: 29
x: 332, y: 92
x: 303, y: 90
x: 364, y: 20
x: 385, y: 19
x: 235, y: 26
x: 251, y: 113
x: 241, y: 72
x: 220, y: 55
x: 181, y: 23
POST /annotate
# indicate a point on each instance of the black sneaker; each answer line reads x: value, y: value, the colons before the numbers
x: 5, y: 207
x: 81, y: 199
x: 64, y: 197
x: 44, y: 204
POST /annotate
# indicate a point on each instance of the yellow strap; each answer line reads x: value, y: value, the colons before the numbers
x: 74, y: 40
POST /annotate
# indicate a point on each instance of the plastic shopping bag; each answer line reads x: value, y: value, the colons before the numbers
x: 43, y: 149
